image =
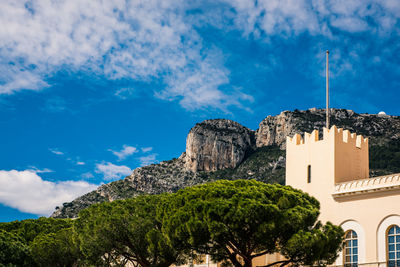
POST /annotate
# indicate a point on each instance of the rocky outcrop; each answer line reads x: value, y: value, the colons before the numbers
x: 274, y: 129
x: 166, y: 176
x: 217, y: 144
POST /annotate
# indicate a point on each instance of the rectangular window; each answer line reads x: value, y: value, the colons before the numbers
x: 309, y: 174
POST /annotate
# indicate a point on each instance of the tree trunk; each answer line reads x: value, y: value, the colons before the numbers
x: 248, y: 262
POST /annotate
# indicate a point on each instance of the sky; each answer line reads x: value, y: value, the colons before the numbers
x: 90, y: 90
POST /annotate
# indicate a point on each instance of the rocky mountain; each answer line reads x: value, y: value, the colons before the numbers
x: 217, y: 144
x: 224, y: 149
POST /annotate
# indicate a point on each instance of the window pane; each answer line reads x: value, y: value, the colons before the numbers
x: 355, y: 258
x: 398, y: 254
x: 355, y: 251
x: 397, y: 229
x: 391, y: 239
x: 354, y: 265
x: 391, y: 247
x: 391, y: 256
x: 391, y: 230
x: 348, y: 259
x: 392, y: 263
x: 398, y: 239
x: 355, y: 243
x: 348, y: 251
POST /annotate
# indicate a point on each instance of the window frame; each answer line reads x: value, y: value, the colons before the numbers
x: 351, y: 264
x: 387, y: 245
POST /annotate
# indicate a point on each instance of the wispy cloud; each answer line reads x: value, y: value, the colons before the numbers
x: 80, y: 163
x: 56, y: 151
x: 87, y: 175
x: 37, y: 170
x: 320, y: 17
x: 125, y: 152
x: 147, y: 160
x: 116, y: 39
x: 55, y: 104
x: 160, y: 40
x: 28, y: 192
x: 111, y: 171
x: 125, y: 93
x: 146, y: 149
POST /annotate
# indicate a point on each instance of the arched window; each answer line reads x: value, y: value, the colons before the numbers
x: 350, y: 252
x: 393, y: 246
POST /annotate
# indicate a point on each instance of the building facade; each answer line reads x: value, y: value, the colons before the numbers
x: 335, y: 170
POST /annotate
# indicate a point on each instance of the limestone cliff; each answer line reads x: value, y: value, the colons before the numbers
x: 274, y: 129
x: 217, y: 144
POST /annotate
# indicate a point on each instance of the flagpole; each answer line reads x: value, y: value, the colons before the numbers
x: 327, y: 89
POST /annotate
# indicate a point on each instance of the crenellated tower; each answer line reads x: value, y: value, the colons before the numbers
x: 339, y: 157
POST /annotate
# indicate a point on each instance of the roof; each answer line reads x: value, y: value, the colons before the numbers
x: 367, y: 186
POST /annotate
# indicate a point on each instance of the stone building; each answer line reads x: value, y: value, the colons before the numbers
x: 335, y: 170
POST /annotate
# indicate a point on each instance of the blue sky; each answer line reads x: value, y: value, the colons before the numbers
x: 90, y: 90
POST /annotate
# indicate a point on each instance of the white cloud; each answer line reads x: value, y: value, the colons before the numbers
x: 147, y: 160
x: 111, y: 171
x: 56, y: 151
x: 87, y: 175
x: 117, y: 39
x: 80, y: 163
x: 125, y: 152
x: 125, y: 93
x: 146, y: 149
x: 37, y: 170
x: 158, y: 39
x: 293, y: 17
x: 28, y: 192
x: 196, y: 86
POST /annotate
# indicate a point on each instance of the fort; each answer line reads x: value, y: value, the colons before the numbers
x: 335, y: 170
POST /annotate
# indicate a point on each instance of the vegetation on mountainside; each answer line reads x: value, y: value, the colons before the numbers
x: 233, y: 221
x: 385, y: 159
x: 265, y: 164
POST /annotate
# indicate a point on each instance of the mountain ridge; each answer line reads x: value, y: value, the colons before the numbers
x: 225, y: 149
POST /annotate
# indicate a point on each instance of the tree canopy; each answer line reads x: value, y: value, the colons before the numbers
x: 40, y: 242
x: 13, y: 252
x: 239, y: 220
x: 232, y: 221
x: 125, y: 230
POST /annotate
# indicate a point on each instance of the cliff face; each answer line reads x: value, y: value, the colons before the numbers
x: 217, y: 144
x: 274, y: 129
x: 224, y: 149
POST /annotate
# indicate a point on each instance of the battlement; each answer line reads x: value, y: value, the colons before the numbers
x: 333, y: 134
x: 341, y: 153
